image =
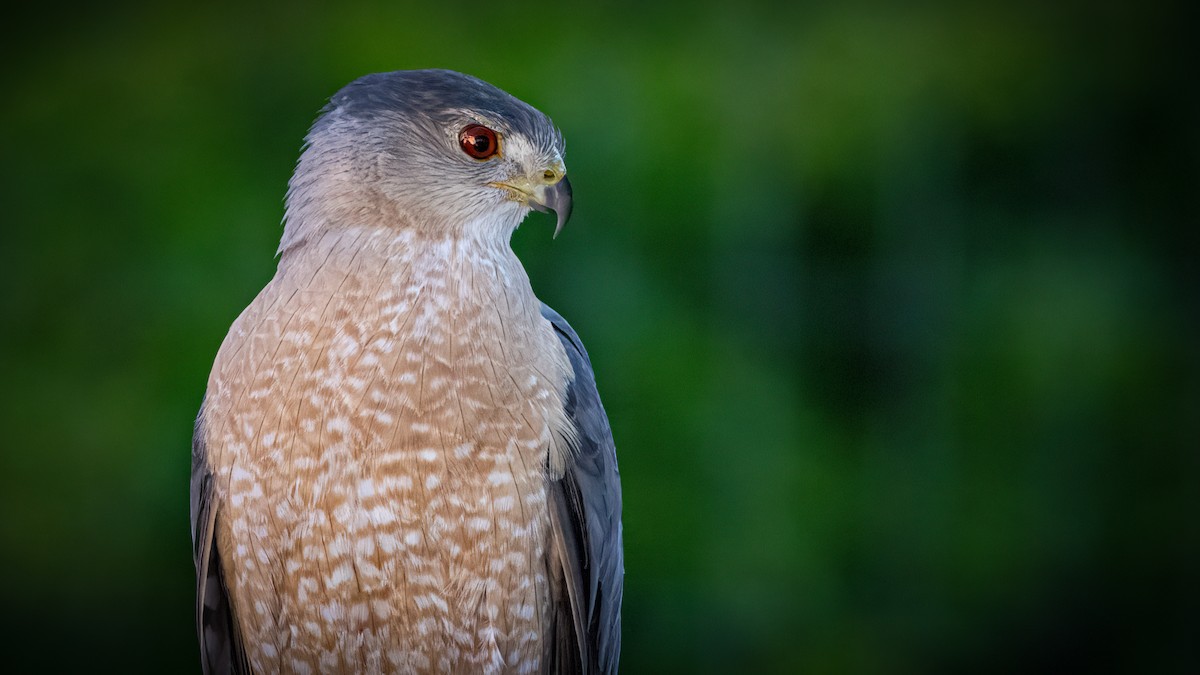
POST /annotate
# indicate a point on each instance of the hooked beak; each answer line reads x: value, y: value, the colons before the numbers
x: 550, y: 191
x: 556, y: 198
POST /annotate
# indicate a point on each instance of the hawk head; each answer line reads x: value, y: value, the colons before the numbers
x: 434, y: 150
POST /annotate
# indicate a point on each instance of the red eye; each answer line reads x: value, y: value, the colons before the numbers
x: 479, y: 141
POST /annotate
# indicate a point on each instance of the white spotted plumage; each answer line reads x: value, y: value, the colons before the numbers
x: 435, y: 471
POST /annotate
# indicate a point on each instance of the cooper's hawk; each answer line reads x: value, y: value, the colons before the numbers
x: 401, y: 463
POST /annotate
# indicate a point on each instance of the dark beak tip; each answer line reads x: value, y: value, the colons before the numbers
x: 562, y: 203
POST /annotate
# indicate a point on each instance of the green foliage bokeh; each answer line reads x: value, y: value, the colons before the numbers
x: 893, y: 312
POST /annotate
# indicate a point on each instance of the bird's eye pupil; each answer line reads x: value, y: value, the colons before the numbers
x: 478, y: 141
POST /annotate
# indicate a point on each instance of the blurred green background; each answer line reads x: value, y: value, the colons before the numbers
x: 893, y: 311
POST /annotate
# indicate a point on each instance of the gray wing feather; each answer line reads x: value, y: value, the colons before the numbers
x: 221, y: 649
x: 586, y: 517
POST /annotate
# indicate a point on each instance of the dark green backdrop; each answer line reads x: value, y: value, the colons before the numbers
x: 894, y: 312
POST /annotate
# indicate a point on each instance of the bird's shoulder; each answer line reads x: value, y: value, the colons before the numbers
x: 586, y: 521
